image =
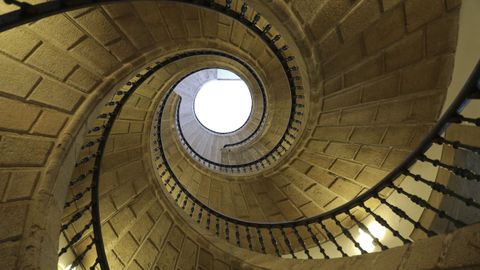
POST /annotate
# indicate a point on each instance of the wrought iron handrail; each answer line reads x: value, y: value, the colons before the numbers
x: 255, y: 164
x: 96, y: 145
x: 471, y: 90
x: 205, y: 214
x: 98, y: 137
x: 191, y: 150
x: 241, y: 167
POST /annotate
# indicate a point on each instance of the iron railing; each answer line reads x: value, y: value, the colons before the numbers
x: 295, y: 121
x: 98, y: 135
x: 254, y: 235
x: 254, y: 134
x: 264, y: 237
x: 89, y: 166
x: 331, y: 224
x: 263, y: 162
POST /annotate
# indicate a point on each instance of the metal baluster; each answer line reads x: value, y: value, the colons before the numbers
x: 104, y: 115
x: 249, y: 238
x: 276, y: 38
x: 86, y: 159
x: 256, y: 18
x: 315, y: 240
x: 301, y: 242
x: 199, y: 217
x: 404, y: 215
x: 94, y: 265
x: 385, y: 224
x: 443, y: 189
x: 91, y: 143
x: 332, y: 239
x: 287, y: 242
x: 425, y: 204
x: 227, y: 231
x: 75, y: 217
x: 467, y: 174
x: 96, y: 128
x: 75, y: 238
x: 260, y: 240
x: 457, y: 145
x: 80, y: 177
x: 112, y: 103
x: 458, y: 118
x: 266, y: 29
x: 237, y: 235
x: 184, y: 203
x: 77, y: 197
x: 349, y: 235
x: 274, y: 242
x: 174, y: 186
x: 292, y: 68
x: 297, y: 121
x: 217, y: 227
x: 79, y: 258
x: 167, y: 181
x: 179, y: 194
x: 366, y: 230
x: 228, y: 4
x: 208, y: 219
x: 192, y: 209
x: 243, y: 10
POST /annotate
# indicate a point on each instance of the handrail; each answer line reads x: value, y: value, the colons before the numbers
x: 99, y: 134
x: 236, y: 167
x: 471, y: 90
x: 452, y: 112
x: 28, y: 13
x: 98, y: 138
x: 291, y: 130
x: 207, y: 162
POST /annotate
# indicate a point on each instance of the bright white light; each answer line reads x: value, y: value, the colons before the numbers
x: 69, y: 267
x: 366, y: 241
x: 377, y: 230
x: 223, y: 105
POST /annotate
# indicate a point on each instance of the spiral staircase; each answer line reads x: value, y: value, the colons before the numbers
x: 361, y: 150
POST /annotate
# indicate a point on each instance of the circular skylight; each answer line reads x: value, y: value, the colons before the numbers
x: 223, y: 105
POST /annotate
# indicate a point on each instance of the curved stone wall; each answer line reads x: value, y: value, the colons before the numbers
x: 377, y: 70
